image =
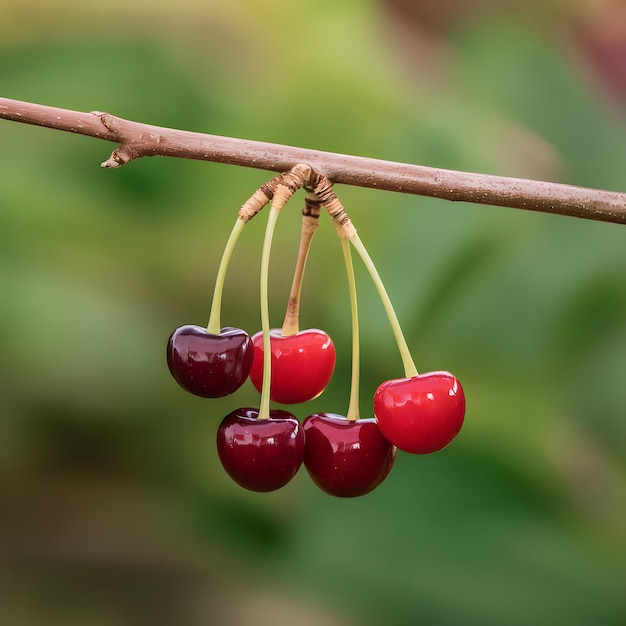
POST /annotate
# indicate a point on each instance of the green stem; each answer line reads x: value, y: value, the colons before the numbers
x: 353, y: 408
x: 409, y: 366
x: 214, y: 326
x: 264, y: 408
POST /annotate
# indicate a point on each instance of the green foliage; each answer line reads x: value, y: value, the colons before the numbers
x: 521, y: 520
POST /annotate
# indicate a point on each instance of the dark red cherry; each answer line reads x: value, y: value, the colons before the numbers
x: 420, y: 414
x: 207, y: 365
x: 344, y: 457
x: 260, y: 454
x: 302, y: 364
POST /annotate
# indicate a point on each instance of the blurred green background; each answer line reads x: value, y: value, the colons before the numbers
x: 113, y: 506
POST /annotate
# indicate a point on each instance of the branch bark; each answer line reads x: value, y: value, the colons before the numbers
x: 137, y: 140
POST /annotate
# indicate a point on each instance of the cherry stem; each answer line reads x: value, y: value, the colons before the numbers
x: 214, y: 326
x: 264, y: 408
x: 353, y: 407
x: 287, y: 182
x: 310, y: 222
x: 409, y: 366
x: 283, y: 191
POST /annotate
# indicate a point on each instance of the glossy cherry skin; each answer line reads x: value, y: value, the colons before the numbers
x: 207, y: 365
x: 260, y: 454
x: 346, y: 458
x: 420, y: 414
x: 302, y: 364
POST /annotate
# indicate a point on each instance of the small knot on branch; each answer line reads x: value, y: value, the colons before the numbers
x: 120, y: 156
x: 110, y: 122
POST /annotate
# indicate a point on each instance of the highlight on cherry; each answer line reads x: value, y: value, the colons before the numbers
x: 262, y: 448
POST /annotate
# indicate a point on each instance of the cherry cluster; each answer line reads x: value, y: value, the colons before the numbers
x: 262, y: 449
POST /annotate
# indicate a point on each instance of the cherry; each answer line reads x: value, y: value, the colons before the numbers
x: 208, y: 365
x: 260, y: 454
x: 302, y: 364
x: 420, y: 414
x: 346, y: 458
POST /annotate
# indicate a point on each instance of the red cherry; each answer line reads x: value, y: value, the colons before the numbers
x: 302, y: 364
x: 421, y: 414
x: 260, y: 454
x: 207, y: 365
x: 344, y: 457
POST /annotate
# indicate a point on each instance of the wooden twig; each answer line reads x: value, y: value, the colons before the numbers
x: 136, y: 140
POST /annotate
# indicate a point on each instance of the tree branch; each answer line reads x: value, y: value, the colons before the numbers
x: 136, y: 140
